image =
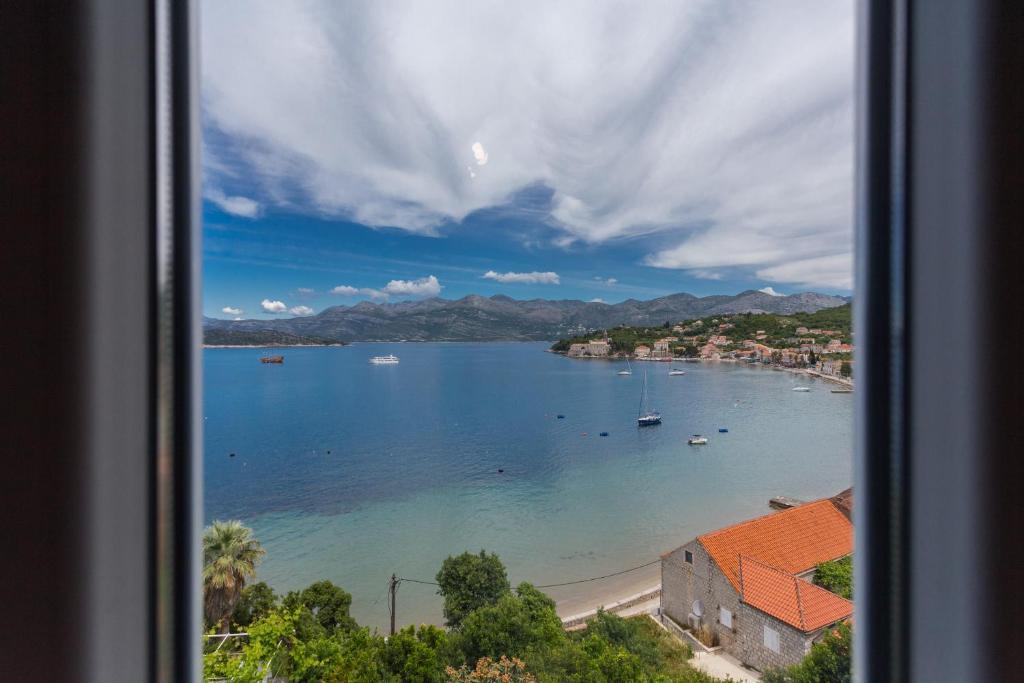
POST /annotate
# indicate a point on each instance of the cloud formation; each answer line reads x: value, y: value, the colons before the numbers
x: 231, y: 310
x: 426, y: 286
x: 301, y: 310
x: 237, y: 206
x: 533, y: 278
x: 770, y: 291
x: 724, y: 129
x: 273, y: 306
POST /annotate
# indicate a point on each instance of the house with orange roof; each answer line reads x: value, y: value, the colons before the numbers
x: 750, y: 584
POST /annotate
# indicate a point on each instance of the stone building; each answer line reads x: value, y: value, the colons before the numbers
x: 750, y: 583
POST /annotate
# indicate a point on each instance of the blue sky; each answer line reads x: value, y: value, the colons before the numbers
x: 587, y: 150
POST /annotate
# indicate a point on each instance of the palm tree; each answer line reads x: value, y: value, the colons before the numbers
x: 230, y: 555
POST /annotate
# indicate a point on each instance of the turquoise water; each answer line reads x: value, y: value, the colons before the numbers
x: 350, y: 471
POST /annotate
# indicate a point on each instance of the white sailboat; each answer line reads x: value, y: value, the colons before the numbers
x: 628, y: 370
x: 675, y: 372
x: 646, y: 417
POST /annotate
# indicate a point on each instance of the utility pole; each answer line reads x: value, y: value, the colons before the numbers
x: 392, y: 589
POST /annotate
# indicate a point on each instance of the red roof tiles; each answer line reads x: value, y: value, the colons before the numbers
x: 792, y: 541
x: 788, y: 598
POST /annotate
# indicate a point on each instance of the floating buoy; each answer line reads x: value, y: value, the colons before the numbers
x: 500, y: 471
x: 328, y: 452
x: 604, y: 433
x: 231, y: 455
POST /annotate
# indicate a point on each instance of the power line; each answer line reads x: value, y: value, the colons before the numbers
x: 598, y: 578
x: 556, y: 585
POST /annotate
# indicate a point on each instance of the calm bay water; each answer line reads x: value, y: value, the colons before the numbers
x: 349, y: 471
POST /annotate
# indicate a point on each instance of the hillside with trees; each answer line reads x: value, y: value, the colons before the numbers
x: 493, y: 632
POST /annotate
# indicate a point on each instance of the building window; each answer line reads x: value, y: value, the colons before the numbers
x: 771, y: 639
x: 688, y: 556
x: 725, y: 617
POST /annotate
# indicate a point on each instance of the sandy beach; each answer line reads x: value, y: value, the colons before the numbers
x: 579, y: 598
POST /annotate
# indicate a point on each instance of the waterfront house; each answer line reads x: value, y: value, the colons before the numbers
x: 598, y: 348
x: 663, y: 347
x: 750, y: 584
x: 801, y: 330
x: 642, y: 351
x: 710, y: 352
x: 595, y: 348
x: 576, y: 350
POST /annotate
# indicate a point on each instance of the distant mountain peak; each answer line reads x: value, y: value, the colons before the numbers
x: 500, y: 317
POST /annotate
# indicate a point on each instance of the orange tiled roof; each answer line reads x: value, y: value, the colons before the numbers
x: 796, y: 601
x: 792, y: 541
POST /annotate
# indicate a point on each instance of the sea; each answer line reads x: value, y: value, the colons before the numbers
x: 353, y: 472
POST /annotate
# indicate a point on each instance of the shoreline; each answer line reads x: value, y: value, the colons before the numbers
x: 269, y: 346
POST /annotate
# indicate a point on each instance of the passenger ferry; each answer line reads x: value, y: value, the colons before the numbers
x: 385, y: 360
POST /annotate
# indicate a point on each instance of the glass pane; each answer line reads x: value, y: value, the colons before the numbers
x: 518, y: 311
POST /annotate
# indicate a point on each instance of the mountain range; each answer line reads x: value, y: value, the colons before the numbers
x: 498, y: 318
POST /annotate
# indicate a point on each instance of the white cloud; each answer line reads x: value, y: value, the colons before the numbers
x: 375, y: 294
x: 535, y: 278
x: 426, y: 286
x: 273, y: 306
x: 611, y: 281
x: 597, y: 300
x: 305, y: 291
x: 726, y: 127
x: 238, y: 206
x: 770, y: 292
x: 301, y: 310
x: 480, y: 154
x: 706, y: 274
x: 345, y: 290
x: 830, y: 271
x: 231, y: 310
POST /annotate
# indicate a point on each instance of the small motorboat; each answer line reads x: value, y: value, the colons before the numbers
x: 561, y: 417
x: 723, y: 430
x: 697, y: 440
x: 675, y: 372
x: 604, y: 433
x: 801, y: 389
x: 272, y: 359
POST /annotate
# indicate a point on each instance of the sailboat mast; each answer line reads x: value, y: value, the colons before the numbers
x: 643, y: 393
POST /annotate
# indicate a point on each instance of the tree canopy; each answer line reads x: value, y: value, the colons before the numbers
x: 230, y: 556
x: 468, y: 582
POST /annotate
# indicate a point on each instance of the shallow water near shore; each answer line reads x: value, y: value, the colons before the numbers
x: 350, y: 472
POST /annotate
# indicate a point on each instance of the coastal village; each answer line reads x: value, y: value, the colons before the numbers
x: 819, y: 343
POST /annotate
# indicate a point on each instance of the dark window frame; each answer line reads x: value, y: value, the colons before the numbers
x: 99, y: 185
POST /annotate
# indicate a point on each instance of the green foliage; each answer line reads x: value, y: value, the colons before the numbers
x: 329, y: 605
x: 505, y: 670
x: 516, y: 636
x: 255, y: 602
x: 836, y: 576
x: 511, y: 626
x: 846, y: 370
x: 468, y: 582
x: 780, y: 330
x: 829, y: 661
x: 230, y: 556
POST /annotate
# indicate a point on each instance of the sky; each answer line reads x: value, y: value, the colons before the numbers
x: 595, y: 150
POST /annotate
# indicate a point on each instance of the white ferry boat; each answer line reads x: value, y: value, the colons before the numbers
x: 385, y: 360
